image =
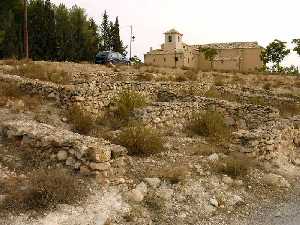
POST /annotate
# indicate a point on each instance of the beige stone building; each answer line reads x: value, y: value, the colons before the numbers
x: 234, y: 56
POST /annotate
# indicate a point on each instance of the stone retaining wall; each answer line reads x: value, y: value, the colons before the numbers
x: 173, y: 115
x: 71, y: 149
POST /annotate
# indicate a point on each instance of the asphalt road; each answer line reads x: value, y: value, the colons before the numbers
x: 284, y: 213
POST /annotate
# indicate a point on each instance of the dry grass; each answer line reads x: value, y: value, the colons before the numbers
x: 45, y: 72
x: 140, y: 140
x: 174, y: 174
x: 233, y: 166
x: 82, y: 121
x: 209, y: 124
x: 42, y: 190
x: 126, y: 102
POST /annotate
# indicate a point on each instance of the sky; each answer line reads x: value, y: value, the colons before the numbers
x: 200, y: 21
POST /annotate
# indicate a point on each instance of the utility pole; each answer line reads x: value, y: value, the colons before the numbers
x: 131, y: 40
x: 25, y: 30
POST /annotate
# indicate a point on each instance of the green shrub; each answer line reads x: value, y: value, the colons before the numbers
x: 126, y: 102
x: 140, y: 140
x: 43, y: 189
x: 82, y: 121
x: 209, y: 124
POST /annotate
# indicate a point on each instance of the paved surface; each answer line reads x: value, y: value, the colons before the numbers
x: 285, y: 213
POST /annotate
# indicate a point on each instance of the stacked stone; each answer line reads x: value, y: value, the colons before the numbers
x: 174, y: 114
x: 78, y: 152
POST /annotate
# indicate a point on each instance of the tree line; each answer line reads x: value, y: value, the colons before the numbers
x: 274, y: 54
x: 56, y: 32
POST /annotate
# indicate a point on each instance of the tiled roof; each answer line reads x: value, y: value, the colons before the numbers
x: 230, y: 45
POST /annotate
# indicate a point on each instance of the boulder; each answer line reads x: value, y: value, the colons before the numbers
x: 62, y: 155
x: 153, y: 182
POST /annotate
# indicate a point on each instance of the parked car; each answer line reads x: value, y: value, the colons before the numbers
x: 111, y: 57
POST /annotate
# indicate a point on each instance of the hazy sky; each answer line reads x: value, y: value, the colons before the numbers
x: 201, y: 21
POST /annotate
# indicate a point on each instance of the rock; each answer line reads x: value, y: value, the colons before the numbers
x: 157, y: 120
x: 227, y: 180
x: 296, y: 162
x: 70, y: 161
x: 62, y: 155
x: 153, y: 182
x: 165, y: 193
x: 135, y: 195
x: 84, y: 170
x: 142, y: 187
x: 214, y: 202
x: 97, y: 154
x: 100, y: 166
x: 235, y: 200
x: 229, y: 121
x: 100, y: 219
x: 214, y: 157
x: 2, y: 198
x: 275, y: 180
x: 238, y: 182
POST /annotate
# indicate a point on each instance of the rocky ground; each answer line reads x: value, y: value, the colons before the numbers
x: 182, y: 184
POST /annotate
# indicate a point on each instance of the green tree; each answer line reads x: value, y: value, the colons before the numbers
x: 117, y: 44
x: 105, y: 32
x: 63, y: 33
x: 41, y: 26
x: 11, y: 22
x: 209, y: 54
x: 297, y: 47
x: 274, y: 53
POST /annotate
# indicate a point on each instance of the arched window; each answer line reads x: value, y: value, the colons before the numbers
x: 170, y: 38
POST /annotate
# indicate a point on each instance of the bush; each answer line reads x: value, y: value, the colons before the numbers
x: 126, y: 102
x: 209, y: 124
x: 43, y: 189
x: 81, y: 120
x: 42, y: 72
x: 233, y: 166
x: 140, y: 140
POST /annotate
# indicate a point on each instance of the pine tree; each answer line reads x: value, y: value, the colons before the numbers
x: 117, y: 44
x: 63, y: 33
x: 50, y: 34
x: 105, y: 32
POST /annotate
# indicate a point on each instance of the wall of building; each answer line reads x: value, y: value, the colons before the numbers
x: 165, y: 60
x: 226, y: 65
x: 251, y: 59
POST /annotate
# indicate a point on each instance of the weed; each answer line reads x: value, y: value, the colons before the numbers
x: 82, y: 121
x: 140, y: 140
x: 126, y: 102
x: 43, y: 189
x: 209, y: 124
x: 233, y: 166
x: 174, y: 174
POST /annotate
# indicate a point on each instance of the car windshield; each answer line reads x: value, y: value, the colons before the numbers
x: 102, y: 55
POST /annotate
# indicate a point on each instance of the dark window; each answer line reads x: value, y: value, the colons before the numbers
x: 164, y: 59
x: 170, y: 38
x: 178, y: 39
x: 153, y: 60
x: 188, y: 60
x: 176, y: 59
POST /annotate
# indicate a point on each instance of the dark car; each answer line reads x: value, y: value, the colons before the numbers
x: 111, y: 57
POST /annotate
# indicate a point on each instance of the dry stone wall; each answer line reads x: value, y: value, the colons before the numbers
x: 94, y: 95
x: 173, y: 115
x: 62, y: 146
